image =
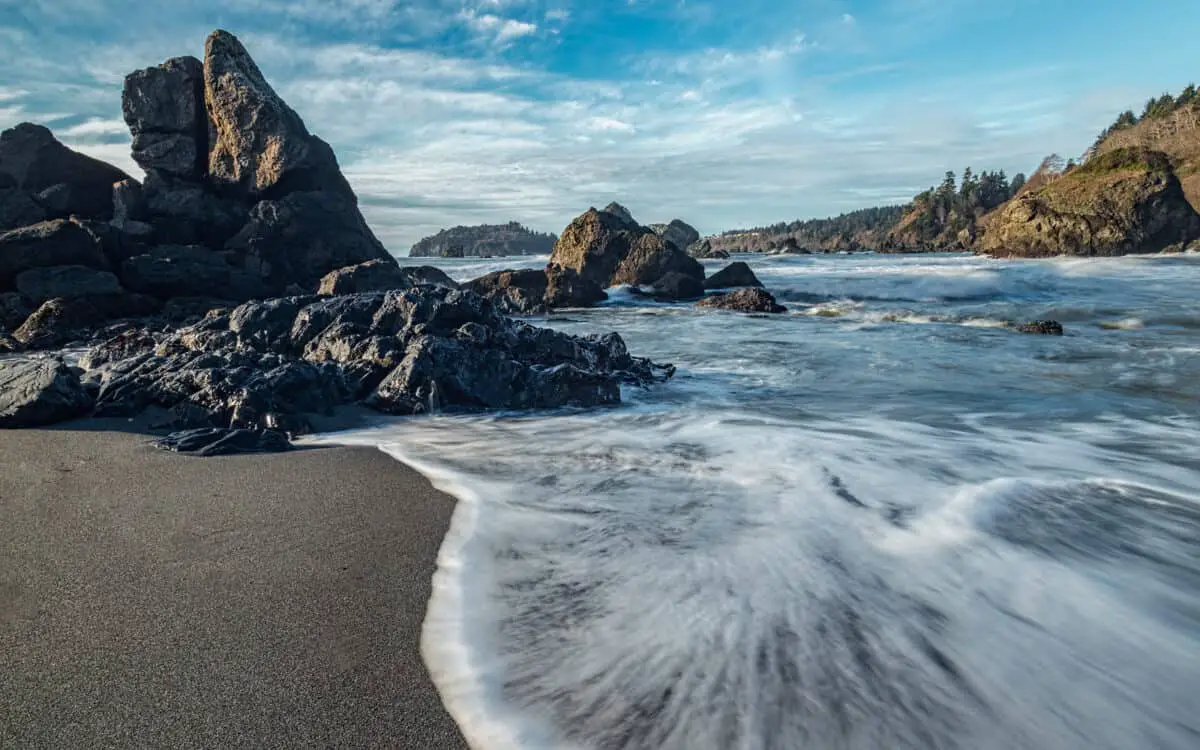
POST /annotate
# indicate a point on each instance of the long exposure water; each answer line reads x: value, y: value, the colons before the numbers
x: 881, y: 520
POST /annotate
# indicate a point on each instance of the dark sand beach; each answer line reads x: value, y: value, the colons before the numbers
x: 149, y: 599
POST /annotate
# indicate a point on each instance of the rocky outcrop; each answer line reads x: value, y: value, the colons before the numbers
x: 381, y: 276
x: 1041, y: 327
x: 40, y: 284
x: 53, y: 176
x: 750, y: 300
x: 521, y: 292
x: 217, y: 441
x: 566, y: 288
x: 164, y: 109
x: 13, y: 311
x: 484, y: 241
x: 36, y: 392
x: 50, y: 243
x: 733, y: 275
x: 677, y: 286
x: 680, y: 234
x: 1123, y: 201
x: 608, y: 248
x: 704, y: 250
x: 60, y: 321
x: 264, y: 365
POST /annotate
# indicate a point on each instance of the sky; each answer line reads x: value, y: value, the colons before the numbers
x: 724, y: 113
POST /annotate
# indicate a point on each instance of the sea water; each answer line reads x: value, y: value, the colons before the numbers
x: 883, y: 519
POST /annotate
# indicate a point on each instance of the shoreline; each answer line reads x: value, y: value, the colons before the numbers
x: 265, y: 600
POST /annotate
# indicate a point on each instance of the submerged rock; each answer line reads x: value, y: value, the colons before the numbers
x: 737, y: 274
x: 1041, y: 327
x: 216, y: 441
x: 36, y: 392
x: 750, y: 300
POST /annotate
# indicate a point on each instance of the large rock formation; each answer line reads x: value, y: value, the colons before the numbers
x: 531, y: 291
x: 679, y: 233
x: 36, y: 392
x: 735, y: 274
x: 38, y: 171
x: 164, y: 109
x: 265, y: 365
x: 1123, y: 201
x: 485, y: 240
x: 609, y: 248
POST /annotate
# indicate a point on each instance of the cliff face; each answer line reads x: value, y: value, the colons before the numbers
x: 1125, y: 200
x: 484, y: 240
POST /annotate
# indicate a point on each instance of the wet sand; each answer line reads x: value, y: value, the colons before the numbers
x: 149, y: 599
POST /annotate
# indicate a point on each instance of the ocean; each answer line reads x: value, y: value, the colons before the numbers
x: 880, y: 520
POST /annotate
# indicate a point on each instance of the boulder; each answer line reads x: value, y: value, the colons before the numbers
x: 566, y: 288
x: 13, y: 311
x: 164, y: 109
x: 37, y: 392
x: 186, y: 213
x: 735, y: 274
x: 678, y: 286
x: 177, y: 271
x: 380, y: 276
x: 217, y: 441
x: 59, y: 321
x: 35, y: 161
x: 128, y: 202
x: 41, y: 284
x: 18, y: 209
x: 260, y: 147
x: 622, y: 213
x: 606, y: 248
x: 520, y: 292
x: 50, y: 243
x: 678, y: 233
x: 749, y: 300
x: 1041, y: 327
x: 55, y: 201
x: 1128, y: 200
x: 704, y: 250
x: 304, y: 236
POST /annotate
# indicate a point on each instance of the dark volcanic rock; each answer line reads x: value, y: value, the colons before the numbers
x: 268, y: 363
x: 677, y: 286
x: 13, y: 311
x: 380, y: 276
x: 733, y: 275
x: 59, y: 321
x: 751, y: 300
x: 128, y: 202
x: 164, y: 109
x: 216, y: 441
x: 36, y: 392
x: 704, y: 249
x: 513, y: 292
x: 41, y: 284
x: 304, y: 236
x: 35, y: 161
x: 566, y: 288
x: 1042, y: 327
x: 177, y: 271
x: 185, y: 212
x: 50, y: 243
x: 680, y: 234
x: 18, y: 209
x: 609, y: 248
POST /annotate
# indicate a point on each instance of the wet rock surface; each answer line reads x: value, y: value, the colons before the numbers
x: 749, y: 300
x: 381, y: 276
x: 609, y: 248
x: 41, y: 391
x: 1041, y: 327
x: 215, y: 441
x: 735, y: 274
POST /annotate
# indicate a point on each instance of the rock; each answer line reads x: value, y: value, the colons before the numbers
x: 18, y: 209
x: 50, y: 243
x: 260, y: 145
x: 733, y: 275
x: 59, y: 321
x: 677, y: 286
x: 177, y: 271
x: 41, y: 284
x: 704, y: 250
x: 790, y: 247
x: 13, y: 311
x: 520, y: 292
x: 380, y: 276
x: 37, y: 392
x: 186, y: 213
x: 607, y: 249
x: 414, y: 350
x: 9, y: 345
x: 454, y: 251
x: 750, y: 300
x: 215, y: 441
x: 566, y: 288
x: 190, y: 309
x: 35, y: 161
x: 619, y: 211
x: 55, y: 201
x: 678, y: 233
x: 1042, y: 327
x: 1128, y: 200
x: 119, y: 242
x: 304, y: 236
x: 164, y: 109
x: 485, y: 240
x: 124, y: 345
x: 128, y: 202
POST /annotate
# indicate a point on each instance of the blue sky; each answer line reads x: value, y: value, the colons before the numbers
x: 724, y: 113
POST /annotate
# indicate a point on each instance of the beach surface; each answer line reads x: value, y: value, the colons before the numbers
x: 149, y: 599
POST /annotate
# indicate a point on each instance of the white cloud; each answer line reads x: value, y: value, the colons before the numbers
x: 494, y: 28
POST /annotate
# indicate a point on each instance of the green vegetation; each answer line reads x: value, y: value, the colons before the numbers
x: 940, y: 214
x: 1156, y: 108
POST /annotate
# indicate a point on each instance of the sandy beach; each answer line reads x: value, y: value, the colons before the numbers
x: 149, y: 599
